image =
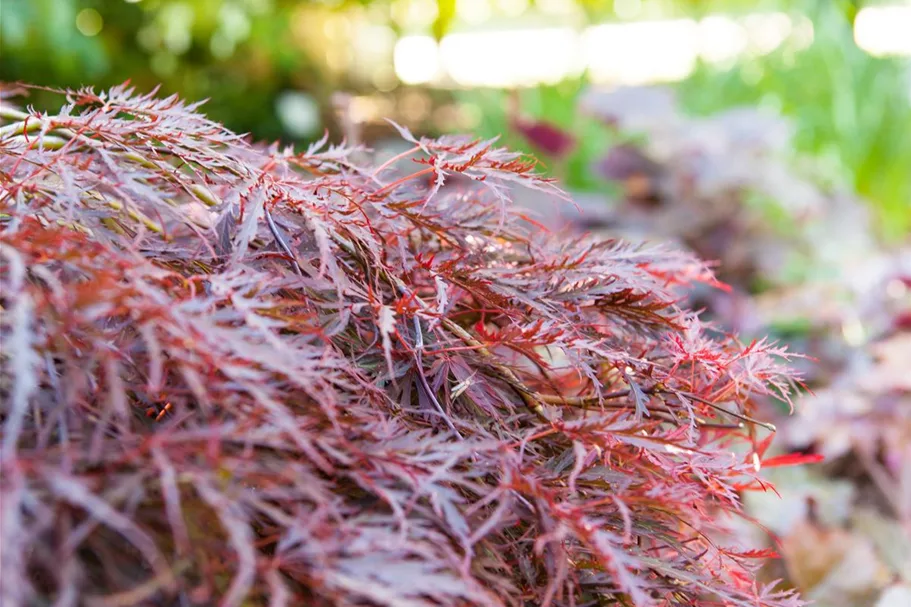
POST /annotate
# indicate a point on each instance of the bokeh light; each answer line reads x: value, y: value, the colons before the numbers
x: 89, y: 22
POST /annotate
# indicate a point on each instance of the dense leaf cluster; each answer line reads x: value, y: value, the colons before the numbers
x: 244, y: 375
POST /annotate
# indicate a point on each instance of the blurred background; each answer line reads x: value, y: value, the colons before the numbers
x: 838, y: 68
x: 771, y: 136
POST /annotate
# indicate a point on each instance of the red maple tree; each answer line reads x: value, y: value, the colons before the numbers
x: 236, y: 374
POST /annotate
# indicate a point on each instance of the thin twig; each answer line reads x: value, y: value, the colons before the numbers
x: 580, y: 401
x: 740, y: 416
x: 594, y: 399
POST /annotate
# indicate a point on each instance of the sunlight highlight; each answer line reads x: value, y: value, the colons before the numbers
x: 884, y: 30
x: 641, y: 52
x: 624, y: 53
x: 511, y: 58
x: 416, y: 59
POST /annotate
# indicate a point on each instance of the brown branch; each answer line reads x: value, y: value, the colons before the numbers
x: 581, y: 401
x: 594, y: 399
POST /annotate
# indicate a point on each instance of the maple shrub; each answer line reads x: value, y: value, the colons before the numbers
x: 236, y: 374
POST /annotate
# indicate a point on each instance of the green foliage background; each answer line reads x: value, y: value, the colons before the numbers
x: 849, y: 108
x: 240, y: 52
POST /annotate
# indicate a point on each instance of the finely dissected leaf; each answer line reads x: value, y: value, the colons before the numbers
x: 386, y: 324
x: 236, y: 374
x: 21, y: 357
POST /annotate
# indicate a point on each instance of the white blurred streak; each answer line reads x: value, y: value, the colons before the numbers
x: 642, y: 52
x: 416, y: 59
x: 511, y: 57
x: 884, y: 30
x: 624, y: 53
x: 721, y: 38
x: 766, y: 31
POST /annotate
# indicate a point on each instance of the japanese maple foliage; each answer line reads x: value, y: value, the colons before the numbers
x: 244, y: 375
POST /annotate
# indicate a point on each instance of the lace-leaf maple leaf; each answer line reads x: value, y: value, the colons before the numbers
x: 238, y: 374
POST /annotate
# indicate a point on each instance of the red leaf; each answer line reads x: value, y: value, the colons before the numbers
x: 792, y: 459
